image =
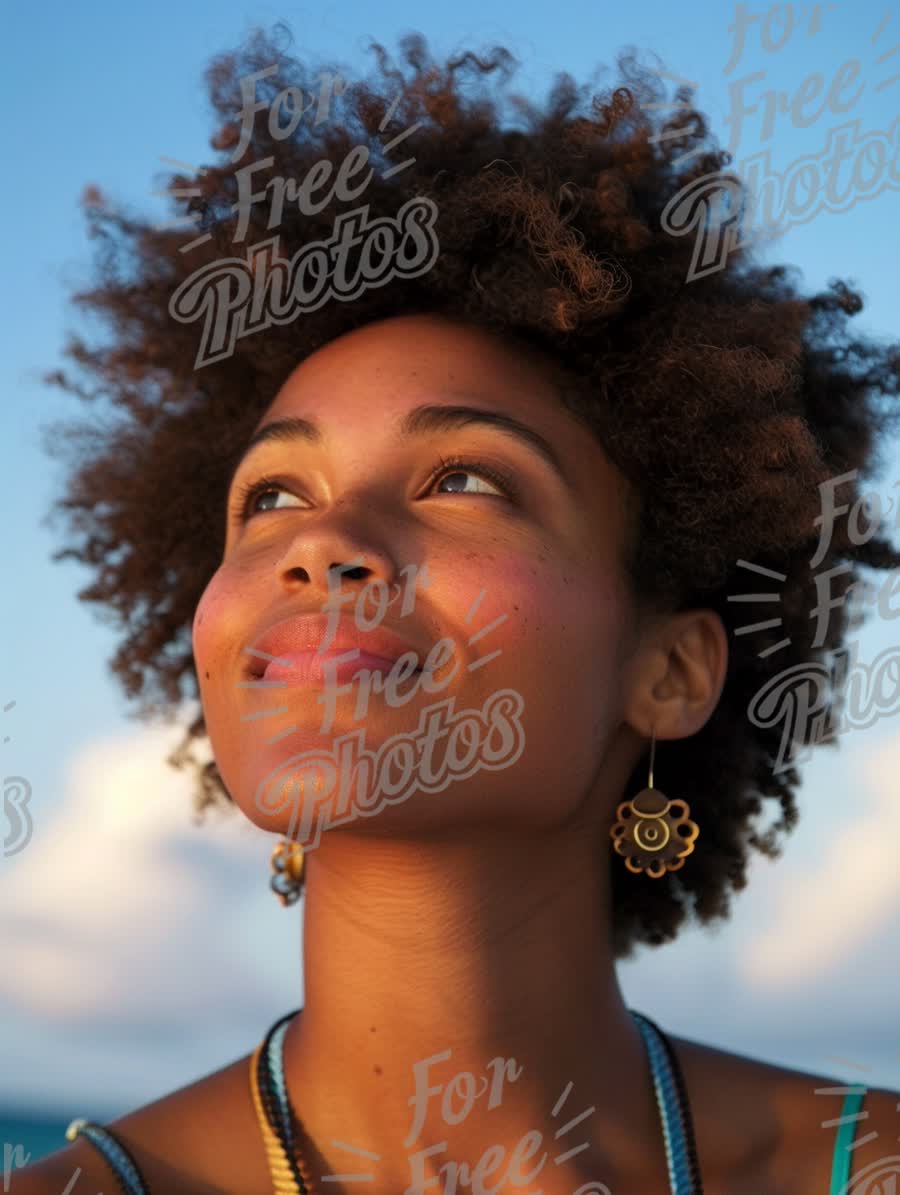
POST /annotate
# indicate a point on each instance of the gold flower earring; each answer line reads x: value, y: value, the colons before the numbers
x: 287, y: 872
x: 654, y: 834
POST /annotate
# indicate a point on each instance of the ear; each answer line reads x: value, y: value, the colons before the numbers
x: 676, y: 675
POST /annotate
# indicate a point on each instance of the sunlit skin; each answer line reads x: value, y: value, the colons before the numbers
x: 475, y: 919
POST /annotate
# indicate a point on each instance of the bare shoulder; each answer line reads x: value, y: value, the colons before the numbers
x: 868, y: 1156
x: 202, y: 1139
x: 765, y: 1127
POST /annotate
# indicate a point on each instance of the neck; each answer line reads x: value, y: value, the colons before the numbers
x: 461, y: 996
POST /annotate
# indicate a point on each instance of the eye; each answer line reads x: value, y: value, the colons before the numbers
x: 458, y: 467
x: 246, y: 500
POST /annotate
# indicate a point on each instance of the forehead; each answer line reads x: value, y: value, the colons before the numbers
x: 367, y: 379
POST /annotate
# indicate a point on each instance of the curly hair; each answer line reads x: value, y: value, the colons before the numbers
x: 725, y: 401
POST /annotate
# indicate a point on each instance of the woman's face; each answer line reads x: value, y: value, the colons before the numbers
x: 525, y: 585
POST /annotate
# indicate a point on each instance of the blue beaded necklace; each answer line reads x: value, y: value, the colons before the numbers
x: 668, y: 1086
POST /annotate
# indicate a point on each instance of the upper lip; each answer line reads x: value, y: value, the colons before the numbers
x: 305, y: 632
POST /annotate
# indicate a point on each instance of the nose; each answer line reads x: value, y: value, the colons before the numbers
x: 328, y: 558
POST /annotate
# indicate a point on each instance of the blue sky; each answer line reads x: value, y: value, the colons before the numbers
x: 108, y: 997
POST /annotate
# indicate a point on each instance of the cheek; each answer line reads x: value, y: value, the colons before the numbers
x: 562, y: 654
x: 563, y: 624
x: 554, y: 622
x: 212, y: 632
x: 216, y: 638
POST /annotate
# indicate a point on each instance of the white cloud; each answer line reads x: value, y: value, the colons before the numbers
x: 118, y: 886
x: 825, y: 912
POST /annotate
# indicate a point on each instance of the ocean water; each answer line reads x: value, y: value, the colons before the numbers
x: 37, y: 1136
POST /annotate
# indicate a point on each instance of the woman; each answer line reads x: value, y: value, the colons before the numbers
x: 454, y: 551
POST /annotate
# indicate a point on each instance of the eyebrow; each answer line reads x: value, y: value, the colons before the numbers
x: 418, y: 422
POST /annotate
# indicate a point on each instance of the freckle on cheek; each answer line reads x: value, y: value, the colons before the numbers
x: 206, y: 674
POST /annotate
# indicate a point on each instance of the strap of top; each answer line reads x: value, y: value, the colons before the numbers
x: 840, y: 1167
x: 128, y: 1175
x: 674, y: 1109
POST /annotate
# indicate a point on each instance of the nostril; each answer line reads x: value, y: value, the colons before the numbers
x: 255, y: 668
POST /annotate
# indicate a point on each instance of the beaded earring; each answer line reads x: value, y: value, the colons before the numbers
x: 287, y: 871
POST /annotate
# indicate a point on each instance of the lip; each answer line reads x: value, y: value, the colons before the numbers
x: 290, y: 647
x: 309, y: 667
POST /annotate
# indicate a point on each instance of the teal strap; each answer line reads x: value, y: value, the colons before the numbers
x: 276, y: 1070
x: 120, y: 1161
x: 840, y: 1169
x: 665, y: 1089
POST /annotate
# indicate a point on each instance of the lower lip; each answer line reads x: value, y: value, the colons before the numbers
x: 308, y: 667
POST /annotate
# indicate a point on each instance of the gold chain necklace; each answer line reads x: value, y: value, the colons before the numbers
x: 283, y: 1181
